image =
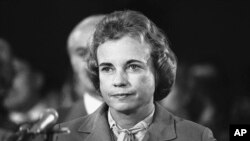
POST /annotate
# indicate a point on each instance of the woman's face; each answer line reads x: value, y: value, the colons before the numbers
x: 126, y: 74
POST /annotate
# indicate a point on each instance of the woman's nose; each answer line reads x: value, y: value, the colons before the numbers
x: 120, y: 79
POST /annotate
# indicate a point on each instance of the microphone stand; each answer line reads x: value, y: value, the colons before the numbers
x: 24, y: 134
x: 50, y: 133
x: 44, y: 126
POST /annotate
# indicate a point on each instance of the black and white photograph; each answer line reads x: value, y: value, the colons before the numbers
x: 124, y: 70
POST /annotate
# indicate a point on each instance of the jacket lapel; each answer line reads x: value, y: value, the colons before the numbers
x: 163, y: 126
x: 96, y: 126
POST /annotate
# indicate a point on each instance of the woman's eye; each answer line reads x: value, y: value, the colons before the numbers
x: 106, y: 69
x: 133, y: 67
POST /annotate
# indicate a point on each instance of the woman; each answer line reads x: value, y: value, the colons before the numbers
x: 133, y: 67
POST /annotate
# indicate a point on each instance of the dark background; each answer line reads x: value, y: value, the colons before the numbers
x: 210, y: 30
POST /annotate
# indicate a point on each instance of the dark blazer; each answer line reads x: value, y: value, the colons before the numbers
x: 165, y: 126
x: 69, y: 113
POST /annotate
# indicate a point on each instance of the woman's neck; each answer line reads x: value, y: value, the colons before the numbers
x: 127, y: 120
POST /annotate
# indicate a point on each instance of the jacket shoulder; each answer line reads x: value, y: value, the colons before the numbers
x: 73, y: 126
x: 77, y: 127
x: 195, y: 131
x: 187, y: 124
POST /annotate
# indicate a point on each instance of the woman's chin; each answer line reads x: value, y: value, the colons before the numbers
x: 123, y: 107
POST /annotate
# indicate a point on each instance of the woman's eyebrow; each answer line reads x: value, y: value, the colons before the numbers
x: 105, y: 64
x: 135, y: 61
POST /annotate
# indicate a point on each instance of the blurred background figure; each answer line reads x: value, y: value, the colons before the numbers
x: 20, y: 93
x: 197, y: 96
x: 240, y: 110
x: 239, y: 113
x: 24, y: 99
x: 7, y: 127
x: 80, y: 96
x: 201, y: 87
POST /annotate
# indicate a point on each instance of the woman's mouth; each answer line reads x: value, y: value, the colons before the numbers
x: 122, y: 95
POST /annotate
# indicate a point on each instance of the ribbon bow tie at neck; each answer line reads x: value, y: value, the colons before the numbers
x: 129, y: 134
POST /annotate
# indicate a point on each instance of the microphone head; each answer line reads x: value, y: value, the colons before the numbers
x: 47, y: 119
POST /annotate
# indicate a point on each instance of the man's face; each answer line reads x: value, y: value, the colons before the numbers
x: 79, y: 52
x: 126, y: 74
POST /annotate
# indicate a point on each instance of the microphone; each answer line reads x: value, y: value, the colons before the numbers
x: 47, y: 119
x: 44, y: 126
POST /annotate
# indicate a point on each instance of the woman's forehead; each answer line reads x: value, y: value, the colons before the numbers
x: 126, y: 48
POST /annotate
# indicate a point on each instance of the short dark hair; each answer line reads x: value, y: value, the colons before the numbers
x: 118, y: 24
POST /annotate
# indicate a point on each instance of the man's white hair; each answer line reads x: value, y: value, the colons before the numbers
x: 89, y: 22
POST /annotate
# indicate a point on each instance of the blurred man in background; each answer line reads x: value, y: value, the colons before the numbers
x: 80, y: 95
